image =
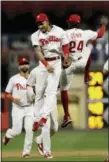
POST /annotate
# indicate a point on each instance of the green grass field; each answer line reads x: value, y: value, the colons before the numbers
x: 66, y: 146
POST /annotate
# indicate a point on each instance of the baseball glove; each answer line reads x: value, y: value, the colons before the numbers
x: 67, y: 64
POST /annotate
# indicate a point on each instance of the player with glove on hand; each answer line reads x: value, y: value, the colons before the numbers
x: 80, y: 53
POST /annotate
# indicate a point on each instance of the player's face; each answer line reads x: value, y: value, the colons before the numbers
x: 43, y: 26
x: 24, y: 68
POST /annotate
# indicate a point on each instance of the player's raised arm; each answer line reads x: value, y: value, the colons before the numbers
x: 101, y: 31
x: 92, y: 36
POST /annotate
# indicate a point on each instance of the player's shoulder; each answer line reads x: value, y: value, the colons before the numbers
x: 35, y: 33
x: 88, y: 31
x: 58, y: 28
x: 80, y: 30
x: 74, y: 30
x: 14, y: 76
x: 69, y: 30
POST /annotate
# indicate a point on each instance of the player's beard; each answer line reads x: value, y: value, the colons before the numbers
x: 25, y: 69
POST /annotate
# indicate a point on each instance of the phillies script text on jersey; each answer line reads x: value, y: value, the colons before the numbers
x: 50, y: 39
x: 17, y: 85
x: 21, y: 87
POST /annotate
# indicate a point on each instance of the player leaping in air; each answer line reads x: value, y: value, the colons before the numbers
x: 47, y: 41
x: 80, y: 53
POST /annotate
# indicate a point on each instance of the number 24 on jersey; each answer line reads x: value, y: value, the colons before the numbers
x: 76, y: 46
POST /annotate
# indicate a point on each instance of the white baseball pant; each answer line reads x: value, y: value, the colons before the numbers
x: 51, y: 124
x: 46, y: 89
x: 67, y: 74
x: 18, y: 114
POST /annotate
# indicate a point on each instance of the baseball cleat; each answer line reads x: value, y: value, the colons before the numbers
x: 6, y: 140
x: 42, y: 122
x: 40, y: 149
x: 67, y: 120
x: 48, y: 156
x: 35, y: 126
x: 25, y: 155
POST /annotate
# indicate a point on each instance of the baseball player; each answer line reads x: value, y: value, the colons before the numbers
x: 80, y: 53
x: 49, y: 42
x: 106, y: 73
x: 22, y: 108
x: 43, y: 141
x: 106, y: 88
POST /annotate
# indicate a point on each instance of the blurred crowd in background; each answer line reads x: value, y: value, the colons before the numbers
x: 18, y: 23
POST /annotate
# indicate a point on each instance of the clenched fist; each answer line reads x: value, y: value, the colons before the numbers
x: 50, y: 69
x: 104, y: 20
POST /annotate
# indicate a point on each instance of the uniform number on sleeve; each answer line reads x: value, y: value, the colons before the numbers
x: 76, y: 46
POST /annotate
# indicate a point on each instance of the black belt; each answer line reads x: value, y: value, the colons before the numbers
x: 25, y: 106
x: 52, y: 58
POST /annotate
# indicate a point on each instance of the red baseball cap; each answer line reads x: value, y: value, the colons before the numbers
x: 74, y: 18
x: 23, y: 61
x: 41, y: 17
